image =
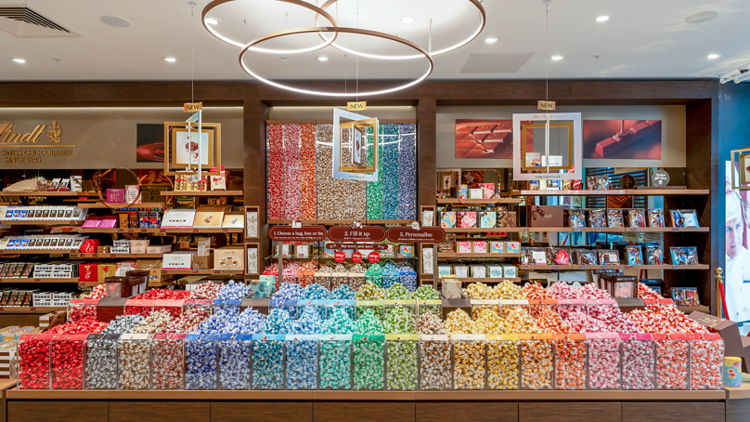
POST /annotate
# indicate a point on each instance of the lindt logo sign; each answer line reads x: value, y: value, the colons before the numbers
x: 9, y: 136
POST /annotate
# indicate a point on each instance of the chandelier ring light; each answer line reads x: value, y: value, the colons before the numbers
x: 337, y: 29
x: 472, y: 37
x: 318, y: 12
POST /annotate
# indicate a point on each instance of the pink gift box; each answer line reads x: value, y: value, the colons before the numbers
x: 92, y: 222
x: 467, y: 220
x: 116, y: 196
x: 464, y: 246
x: 489, y: 190
x: 480, y: 246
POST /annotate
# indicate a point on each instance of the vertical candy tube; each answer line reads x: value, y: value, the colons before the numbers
x: 67, y: 361
x: 33, y: 361
x: 604, y: 361
x: 390, y: 171
x: 407, y: 171
x: 168, y: 362
x: 307, y: 172
x: 292, y: 182
x: 301, y: 362
x: 324, y: 166
x: 671, y: 361
x: 401, y: 362
x: 275, y: 172
x: 375, y: 189
x: 268, y: 361
x: 537, y: 357
x: 435, y: 368
x: 101, y: 362
x: 369, y: 361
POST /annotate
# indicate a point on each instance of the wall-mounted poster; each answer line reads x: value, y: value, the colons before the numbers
x: 737, y: 238
x: 622, y: 139
x: 484, y: 138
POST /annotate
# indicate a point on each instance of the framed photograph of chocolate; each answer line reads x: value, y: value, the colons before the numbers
x: 185, y: 147
x: 622, y: 139
x: 181, y: 148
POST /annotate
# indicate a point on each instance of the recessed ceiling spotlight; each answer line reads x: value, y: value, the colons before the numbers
x: 490, y: 40
x: 602, y: 18
x: 17, y: 60
x: 170, y: 59
x: 322, y: 58
x: 701, y: 17
x: 115, y: 21
x: 212, y: 21
x: 714, y: 56
x: 557, y: 57
x: 407, y: 19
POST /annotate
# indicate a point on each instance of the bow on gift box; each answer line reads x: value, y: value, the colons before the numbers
x: 539, y: 211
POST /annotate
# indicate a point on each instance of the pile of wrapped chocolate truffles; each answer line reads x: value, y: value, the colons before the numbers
x: 374, y: 338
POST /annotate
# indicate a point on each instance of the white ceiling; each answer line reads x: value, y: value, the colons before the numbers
x: 642, y: 39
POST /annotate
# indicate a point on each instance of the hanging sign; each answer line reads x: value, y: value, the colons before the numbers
x: 356, y: 257
x: 545, y: 105
x: 360, y: 234
x: 353, y: 246
x: 192, y: 107
x: 410, y: 235
x: 302, y: 234
x: 358, y: 106
x: 339, y: 256
x: 373, y: 257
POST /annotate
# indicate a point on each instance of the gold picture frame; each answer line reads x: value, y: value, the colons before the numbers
x: 743, y: 156
x: 171, y: 165
x: 362, y: 125
x: 524, y: 127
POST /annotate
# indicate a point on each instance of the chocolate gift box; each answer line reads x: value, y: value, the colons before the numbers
x: 488, y: 189
x: 464, y: 246
x: 487, y: 219
x: 497, y: 247
x: 512, y: 247
x: 463, y: 192
x: 507, y: 219
x: 467, y: 219
x: 479, y: 246
x: 448, y: 219
x: 543, y: 216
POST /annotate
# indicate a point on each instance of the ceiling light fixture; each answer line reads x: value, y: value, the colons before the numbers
x: 602, y: 18
x: 212, y: 21
x: 701, y: 17
x: 472, y: 37
x: 115, y: 21
x: 407, y: 19
x: 714, y: 56
x: 170, y: 59
x: 490, y: 40
x: 21, y: 61
x: 557, y: 57
x: 322, y: 58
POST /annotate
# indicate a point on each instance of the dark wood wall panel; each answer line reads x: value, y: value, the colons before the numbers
x: 467, y: 411
x: 569, y: 412
x: 159, y: 411
x: 363, y: 411
x: 426, y: 147
x: 738, y: 410
x: 672, y: 411
x: 261, y: 411
x: 58, y: 411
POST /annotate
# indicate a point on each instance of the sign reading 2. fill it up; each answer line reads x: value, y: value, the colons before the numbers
x: 26, y: 147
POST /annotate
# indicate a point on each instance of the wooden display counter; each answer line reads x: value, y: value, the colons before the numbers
x: 731, y: 405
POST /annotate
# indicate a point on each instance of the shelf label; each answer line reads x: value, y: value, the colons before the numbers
x: 555, y: 267
x: 121, y: 230
x: 525, y: 229
x: 37, y: 280
x: 144, y: 230
x: 225, y: 230
x: 162, y: 230
x: 95, y: 255
x: 675, y: 267
x: 32, y: 309
x: 628, y: 267
x: 634, y: 229
x: 196, y: 230
x: 524, y: 267
x: 581, y: 267
x: 675, y: 229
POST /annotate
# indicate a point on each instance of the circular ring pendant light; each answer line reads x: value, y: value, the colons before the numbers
x: 318, y: 12
x: 337, y: 29
x: 472, y: 37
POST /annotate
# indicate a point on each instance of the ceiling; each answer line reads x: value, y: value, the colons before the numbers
x: 642, y: 39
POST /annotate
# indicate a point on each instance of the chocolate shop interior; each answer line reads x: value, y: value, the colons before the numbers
x: 374, y: 211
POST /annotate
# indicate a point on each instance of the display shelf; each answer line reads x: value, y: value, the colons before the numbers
x: 101, y: 205
x: 30, y: 309
x: 117, y: 255
x: 457, y: 201
x: 582, y: 230
x: 343, y: 222
x: 155, y: 230
x: 612, y: 267
x: 618, y: 192
x: 189, y: 272
x: 478, y: 255
x: 488, y: 280
x: 201, y: 193
x: 688, y: 309
x: 741, y: 393
x: 38, y: 280
x: 41, y: 223
x: 49, y: 193
x: 37, y: 251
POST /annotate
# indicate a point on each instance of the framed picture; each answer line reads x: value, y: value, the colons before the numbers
x: 745, y: 168
x: 181, y: 152
x: 185, y: 147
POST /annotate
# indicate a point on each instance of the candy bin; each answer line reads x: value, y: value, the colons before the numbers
x: 428, y: 300
x: 172, y: 306
x: 435, y: 366
x: 201, y: 361
x: 335, y: 361
x: 348, y: 306
x: 34, y: 361
x: 101, y: 361
x: 301, y: 362
x: 408, y: 277
x: 134, y: 365
x: 566, y: 307
x: 323, y: 279
x: 290, y: 306
x: 375, y: 306
x: 357, y: 280
x: 503, y: 361
x: 605, y: 361
x: 168, y: 361
x: 67, y: 361
x: 401, y: 361
x: 141, y: 307
x: 339, y: 279
x: 305, y: 276
x: 391, y: 275
x: 268, y: 361
x: 400, y: 316
x: 672, y: 370
x: 80, y: 309
x: 374, y: 274
x: 468, y: 361
x: 537, y: 361
x: 706, y: 359
x: 235, y: 353
x: 232, y: 305
x: 194, y: 313
x: 369, y: 361
x: 570, y: 361
x: 638, y: 362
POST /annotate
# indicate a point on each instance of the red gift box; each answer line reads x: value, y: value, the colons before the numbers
x: 89, y: 272
x: 116, y: 196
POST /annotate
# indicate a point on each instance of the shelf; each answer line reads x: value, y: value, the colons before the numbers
x: 479, y: 255
x: 193, y: 272
x: 329, y: 258
x: 689, y: 309
x: 581, y: 230
x: 742, y: 392
x: 488, y: 280
x: 154, y: 230
x: 42, y: 223
x: 456, y: 201
x: 49, y: 193
x: 341, y: 222
x: 38, y: 280
x: 98, y: 205
x: 201, y: 193
x: 612, y: 267
x: 30, y: 310
x: 117, y: 255
x: 37, y: 251
x: 621, y: 192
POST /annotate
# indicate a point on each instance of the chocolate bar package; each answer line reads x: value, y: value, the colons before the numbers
x: 684, y: 255
x: 597, y: 183
x: 636, y: 218
x: 597, y: 218
x: 533, y: 256
x: 654, y: 254
x: 586, y: 257
x: 507, y: 218
x: 684, y: 218
x: 576, y: 219
x: 634, y: 255
x: 608, y: 257
x: 614, y: 218
x: 655, y: 217
x: 558, y: 256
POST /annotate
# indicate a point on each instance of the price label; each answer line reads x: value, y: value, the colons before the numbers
x: 225, y: 230
x: 121, y: 230
x: 555, y: 267
x: 598, y: 229
x: 605, y: 266
x: 81, y: 230
x: 144, y: 230
x: 628, y: 267
x: 95, y: 255
x: 525, y: 230
x: 675, y: 229
x: 634, y: 229
x: 32, y: 309
x: 132, y: 255
x: 675, y: 267
x: 356, y: 257
x: 524, y: 267
x: 373, y: 257
x: 71, y: 222
x: 162, y: 230
x: 196, y: 230
x: 581, y: 267
x: 339, y: 256
x: 217, y: 271
x: 195, y: 271
x: 37, y: 280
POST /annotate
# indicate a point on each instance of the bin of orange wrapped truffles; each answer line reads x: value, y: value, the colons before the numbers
x: 537, y: 361
x: 571, y: 354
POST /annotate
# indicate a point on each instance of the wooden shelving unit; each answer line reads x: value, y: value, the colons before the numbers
x: 474, y: 202
x: 479, y: 255
x: 154, y: 230
x: 116, y: 255
x: 581, y: 230
x: 38, y: 280
x: 37, y: 251
x: 488, y: 280
x: 343, y: 222
x: 49, y: 193
x: 30, y: 310
x: 612, y: 267
x: 616, y: 192
x: 201, y: 272
x: 202, y: 193
x: 101, y: 205
x: 41, y: 223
